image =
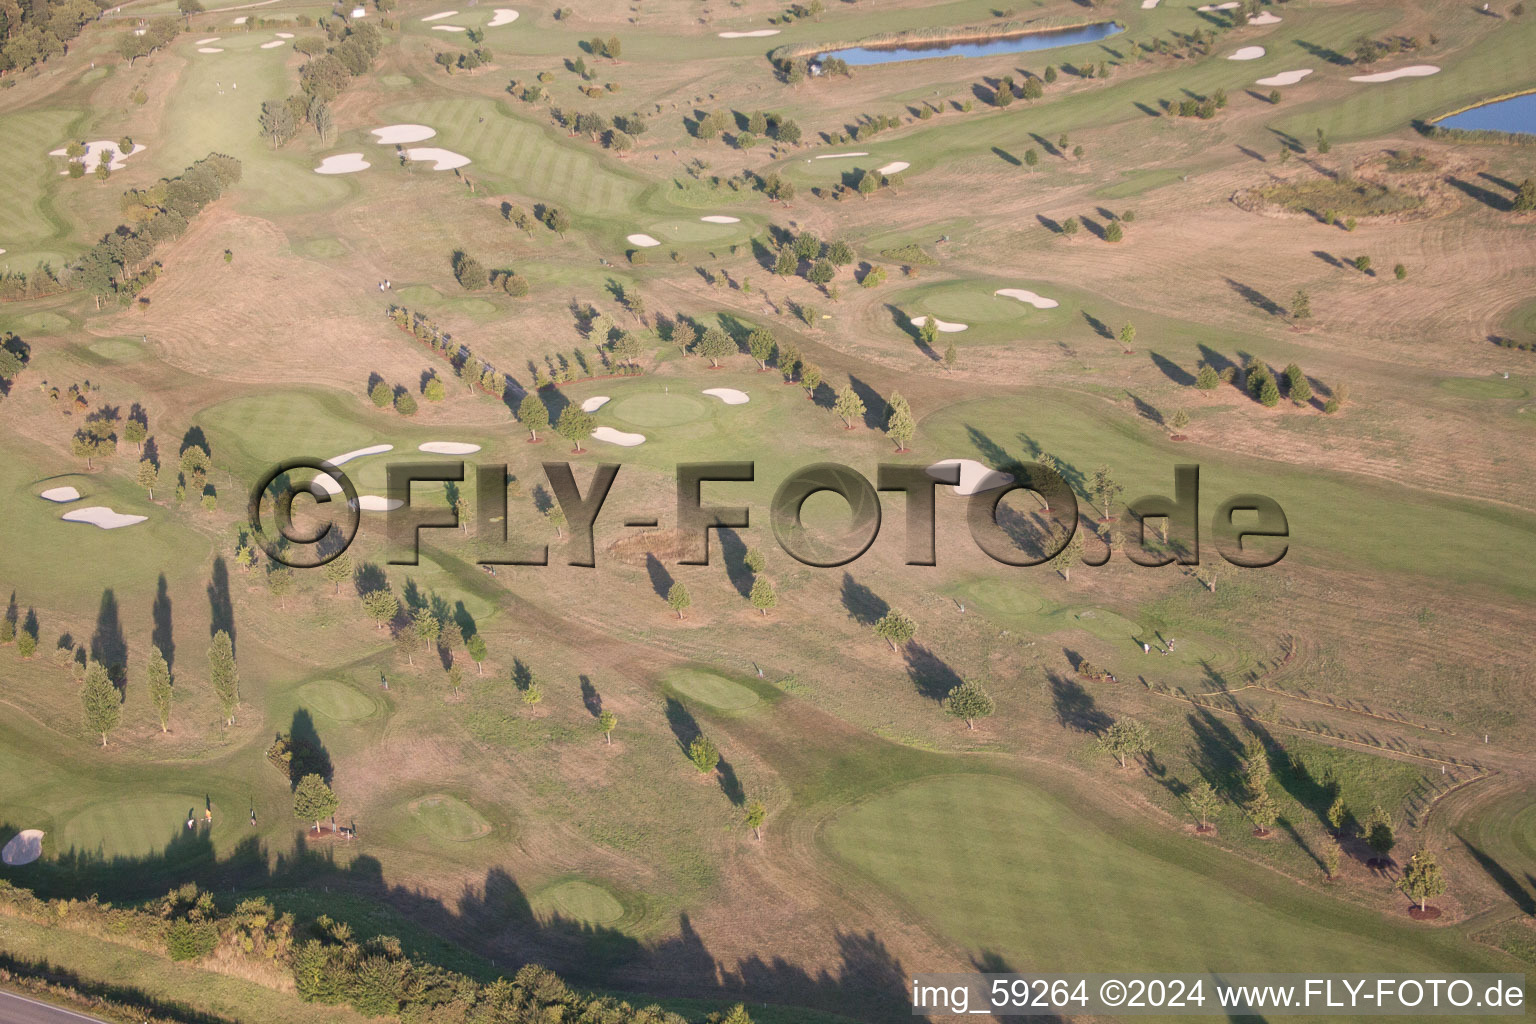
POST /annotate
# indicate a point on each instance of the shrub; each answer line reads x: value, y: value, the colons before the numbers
x: 405, y: 405
x: 190, y: 940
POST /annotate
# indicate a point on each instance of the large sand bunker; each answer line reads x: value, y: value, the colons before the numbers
x: 96, y: 152
x: 1247, y: 53
x: 209, y: 49
x: 1265, y: 19
x: 618, y: 437
x: 504, y: 16
x: 329, y: 486
x: 1208, y: 8
x: 377, y: 503
x: 894, y: 167
x: 730, y: 396
x: 594, y: 403
x: 24, y: 848
x: 343, y: 163
x: 274, y: 44
x: 60, y: 494
x: 284, y: 35
x: 397, y: 134
x: 720, y: 218
x: 1285, y: 77
x: 1147, y: 5
x: 448, y: 448
x: 756, y: 33
x: 643, y: 241
x: 448, y: 28
x: 1025, y: 295
x: 975, y: 477
x: 440, y: 15
x: 102, y: 516
x: 1413, y: 71
x: 443, y: 159
x: 944, y: 326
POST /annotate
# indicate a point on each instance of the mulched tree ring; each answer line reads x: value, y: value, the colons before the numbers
x: 1263, y: 833
x: 1426, y: 914
x: 1177, y: 437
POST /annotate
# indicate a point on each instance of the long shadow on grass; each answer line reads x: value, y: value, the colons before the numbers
x: 161, y: 634
x: 863, y: 605
x: 930, y: 673
x: 1075, y: 707
x: 1173, y: 371
x: 1503, y: 879
x: 108, y: 644
x: 221, y: 606
x: 734, y: 550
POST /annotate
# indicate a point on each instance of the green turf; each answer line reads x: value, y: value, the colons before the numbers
x: 450, y: 818
x: 335, y: 700
x: 580, y: 900
x: 119, y: 350
x: 43, y: 322
x: 1483, y: 387
x: 716, y: 691
x: 134, y: 826
x: 657, y: 410
x: 25, y: 216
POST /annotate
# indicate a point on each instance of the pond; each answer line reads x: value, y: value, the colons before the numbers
x: 1516, y: 114
x: 1042, y: 39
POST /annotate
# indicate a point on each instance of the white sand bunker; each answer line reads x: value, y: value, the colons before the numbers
x: 1232, y: 5
x: 974, y: 476
x: 24, y: 848
x: 1285, y: 77
x: 730, y: 396
x: 241, y: 20
x: 96, y: 152
x: 1025, y: 295
x: 1415, y: 71
x: 720, y: 218
x: 643, y: 241
x: 756, y: 33
x: 504, y: 16
x: 443, y: 159
x: 396, y: 134
x: 377, y: 503
x: 449, y: 448
x: 274, y: 44
x: 61, y: 494
x: 343, y: 163
x: 1247, y: 53
x: 100, y: 515
x: 209, y: 49
x: 840, y: 156
x: 210, y: 39
x: 440, y: 15
x: 448, y: 28
x: 1147, y: 5
x: 1265, y: 19
x: 285, y: 35
x: 618, y: 437
x: 942, y: 325
x: 594, y: 403
x: 894, y: 167
x: 330, y: 486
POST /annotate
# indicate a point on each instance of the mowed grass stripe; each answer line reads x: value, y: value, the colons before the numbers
x: 29, y: 137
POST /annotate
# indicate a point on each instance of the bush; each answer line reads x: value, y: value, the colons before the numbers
x: 405, y: 405
x: 190, y: 940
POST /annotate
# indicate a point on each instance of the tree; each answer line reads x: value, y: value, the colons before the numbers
x: 786, y: 262
x: 1332, y: 856
x: 899, y: 425
x: 1069, y: 226
x: 951, y: 355
x: 147, y: 476
x: 1031, y: 158
x: 1263, y: 813
x: 277, y: 122
x: 756, y: 560
x: 405, y: 405
x: 1128, y: 334
x: 1256, y: 770
x: 427, y: 626
x: 1422, y: 881
x: 103, y: 706
x: 160, y: 687
x: 1301, y: 305
x: 557, y: 220
x: 870, y: 181
x: 1379, y: 833
x: 1126, y: 739
x: 1338, y: 814
x: 810, y: 379
x: 474, y: 645
x: 381, y: 606
x: 338, y: 570
x: 1070, y: 554
x: 1113, y: 232
x: 763, y: 596
x: 279, y: 581
x: 313, y: 800
x: 678, y: 599
x: 1297, y: 385
x: 762, y: 346
x: 1525, y: 199
x: 534, y: 414
x: 1204, y: 803
x: 895, y: 628
x: 704, y: 754
x: 1050, y: 74
x: 756, y: 814
x: 224, y: 674
x: 848, y: 405
x: 1269, y: 392
x: 135, y: 431
x: 606, y: 721
x: 574, y: 425
x: 1207, y: 379
x: 1105, y: 491
x: 381, y: 394
x: 715, y: 345
x: 1179, y: 420
x: 969, y: 701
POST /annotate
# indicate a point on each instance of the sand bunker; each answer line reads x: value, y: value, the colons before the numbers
x: 330, y: 486
x: 942, y: 325
x: 285, y: 35
x: 100, y: 515
x: 839, y: 156
x: 343, y: 163
x: 1025, y: 295
x: 730, y: 396
x: 1219, y: 7
x: 96, y: 152
x: 974, y: 476
x: 644, y: 241
x: 443, y: 159
x: 756, y: 33
x: 378, y: 503
x: 205, y: 42
x: 720, y: 218
x: 61, y: 494
x: 1247, y: 53
x: 448, y: 28
x: 241, y: 20
x: 1415, y: 71
x: 504, y: 16
x: 1285, y: 77
x: 1147, y: 5
x: 272, y: 45
x: 449, y: 448
x: 618, y: 437
x: 594, y: 403
x: 24, y: 848
x: 1265, y: 19
x: 209, y: 49
x: 440, y: 15
x: 395, y: 134
x: 895, y: 167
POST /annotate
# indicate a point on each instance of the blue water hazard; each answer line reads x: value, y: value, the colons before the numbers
x: 1516, y: 114
x: 1045, y: 39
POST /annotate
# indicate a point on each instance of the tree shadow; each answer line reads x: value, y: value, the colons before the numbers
x: 1075, y: 707
x: 864, y: 606
x: 1050, y: 225
x: 221, y: 607
x: 161, y: 634
x: 875, y: 408
x: 661, y: 579
x: 109, y: 646
x: 929, y: 673
x: 1256, y: 298
x: 730, y: 785
x: 1492, y: 200
x: 307, y: 754
x: 685, y: 728
x: 1099, y: 326
x: 590, y: 698
x: 1147, y: 411
x: 1173, y: 371
x: 1007, y: 157
x: 1330, y: 259
x: 1325, y: 53
x: 1522, y: 897
x: 734, y: 553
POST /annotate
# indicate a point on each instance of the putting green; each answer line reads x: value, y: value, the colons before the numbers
x: 1063, y: 893
x: 967, y: 303
x: 45, y: 323
x: 583, y: 901
x: 323, y: 248
x: 118, y: 350
x: 132, y: 827
x: 1483, y: 387
x: 708, y: 688
x: 336, y: 700
x: 664, y: 410
x: 450, y: 818
x: 395, y: 81
x: 993, y: 596
x: 1105, y: 624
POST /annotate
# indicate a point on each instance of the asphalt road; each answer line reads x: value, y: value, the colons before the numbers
x: 16, y: 1009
